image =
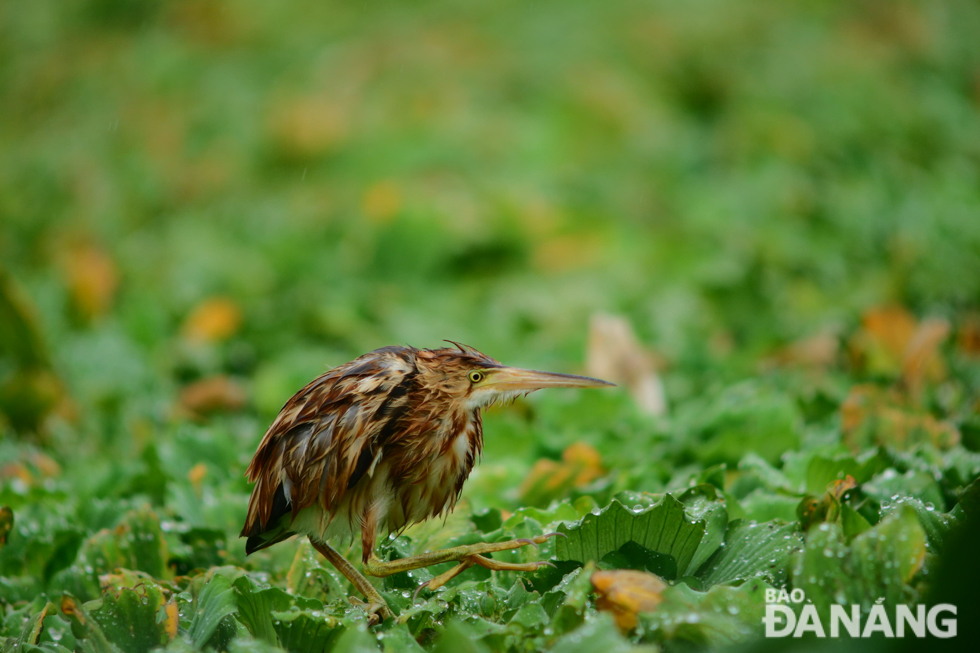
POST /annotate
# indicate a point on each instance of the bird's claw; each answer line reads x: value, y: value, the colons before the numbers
x: 525, y: 541
x: 415, y: 595
x: 376, y: 611
x: 555, y: 534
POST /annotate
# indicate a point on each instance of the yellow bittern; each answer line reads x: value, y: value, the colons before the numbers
x: 378, y: 444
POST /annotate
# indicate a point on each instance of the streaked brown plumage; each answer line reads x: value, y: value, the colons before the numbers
x: 378, y: 444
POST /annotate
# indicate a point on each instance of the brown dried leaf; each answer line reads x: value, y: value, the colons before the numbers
x: 968, y: 337
x: 211, y: 395
x: 213, y: 320
x: 6, y: 523
x: 615, y: 354
x: 921, y: 361
x: 817, y: 351
x: 891, y: 342
x: 875, y: 416
x: 625, y: 593
x: 890, y: 328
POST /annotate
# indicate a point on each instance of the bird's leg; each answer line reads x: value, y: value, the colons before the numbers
x: 376, y: 607
x: 467, y: 556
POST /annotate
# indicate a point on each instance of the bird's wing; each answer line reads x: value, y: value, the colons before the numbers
x: 325, y: 437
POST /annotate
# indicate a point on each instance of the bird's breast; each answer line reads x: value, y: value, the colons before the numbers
x: 436, y: 481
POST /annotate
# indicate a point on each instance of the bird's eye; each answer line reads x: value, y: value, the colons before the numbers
x: 476, y: 376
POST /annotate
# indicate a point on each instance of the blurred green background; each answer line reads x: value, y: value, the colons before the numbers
x: 204, y: 204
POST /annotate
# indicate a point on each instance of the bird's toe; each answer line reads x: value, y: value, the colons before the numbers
x: 377, y: 610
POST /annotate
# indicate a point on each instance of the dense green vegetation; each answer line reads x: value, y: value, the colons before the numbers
x: 205, y: 204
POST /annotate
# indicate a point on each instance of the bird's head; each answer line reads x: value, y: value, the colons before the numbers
x: 474, y: 380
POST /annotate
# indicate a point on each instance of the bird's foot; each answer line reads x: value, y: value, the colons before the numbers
x: 489, y: 563
x: 375, y: 608
x: 375, y: 567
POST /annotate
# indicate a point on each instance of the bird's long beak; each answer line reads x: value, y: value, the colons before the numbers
x: 515, y: 379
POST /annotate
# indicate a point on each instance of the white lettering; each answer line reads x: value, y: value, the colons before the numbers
x: 903, y: 615
x: 949, y: 625
x: 797, y: 596
x: 772, y: 620
x: 838, y: 617
x: 809, y: 622
x: 878, y: 622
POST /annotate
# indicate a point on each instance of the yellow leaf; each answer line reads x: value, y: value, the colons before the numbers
x: 70, y: 608
x: 549, y: 479
x: 196, y: 476
x: 307, y: 127
x: 172, y: 619
x: 626, y: 593
x: 569, y: 252
x: 213, y: 320
x: 92, y: 280
x: 382, y: 201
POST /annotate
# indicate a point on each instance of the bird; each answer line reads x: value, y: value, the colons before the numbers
x: 377, y: 445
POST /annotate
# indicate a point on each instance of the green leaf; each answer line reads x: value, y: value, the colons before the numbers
x: 752, y: 549
x: 762, y: 505
x: 852, y: 522
x: 823, y: 471
x: 487, y: 520
x: 309, y: 577
x: 572, y: 598
x: 255, y: 608
x: 398, y: 639
x: 455, y: 639
x: 704, y: 502
x: 633, y: 556
x: 598, y: 633
x: 302, y: 631
x: 725, y: 614
x: 128, y: 613
x: 247, y: 645
x: 890, y: 486
x: 137, y: 542
x: 878, y: 564
x: 530, y: 616
x: 747, y: 417
x: 31, y: 630
x: 353, y: 640
x: 87, y: 630
x: 664, y: 528
x: 215, y: 602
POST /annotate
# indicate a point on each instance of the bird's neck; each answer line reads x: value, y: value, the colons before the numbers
x: 463, y: 436
x: 476, y: 429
